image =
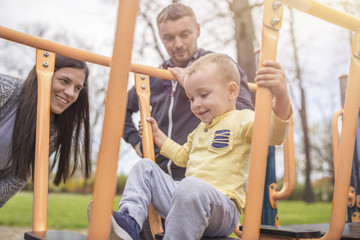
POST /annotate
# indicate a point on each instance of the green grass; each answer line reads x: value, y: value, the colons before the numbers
x: 68, y: 211
x: 65, y: 211
x: 297, y: 212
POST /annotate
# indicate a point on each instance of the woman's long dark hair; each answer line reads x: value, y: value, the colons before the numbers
x: 70, y: 125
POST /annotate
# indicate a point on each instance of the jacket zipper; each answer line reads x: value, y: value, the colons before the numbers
x: 174, y: 84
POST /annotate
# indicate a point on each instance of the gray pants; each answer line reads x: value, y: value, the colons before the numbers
x: 192, y: 208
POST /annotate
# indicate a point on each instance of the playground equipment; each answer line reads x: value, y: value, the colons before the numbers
x: 354, y: 190
x: 271, y: 27
x: 115, y: 113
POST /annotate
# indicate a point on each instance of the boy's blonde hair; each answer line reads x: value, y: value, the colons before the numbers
x: 222, y: 65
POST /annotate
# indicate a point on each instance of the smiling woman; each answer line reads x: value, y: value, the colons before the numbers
x: 66, y: 86
x: 69, y: 126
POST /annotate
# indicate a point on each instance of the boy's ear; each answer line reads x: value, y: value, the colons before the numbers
x: 233, y: 90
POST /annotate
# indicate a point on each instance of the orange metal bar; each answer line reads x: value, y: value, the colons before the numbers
x: 289, y: 166
x: 289, y: 170
x: 335, y: 136
x: 156, y: 72
x: 261, y: 129
x: 36, y: 42
x: 326, y: 13
x: 114, y: 119
x: 335, y: 143
x: 252, y: 87
x: 347, y: 143
x: 355, y: 217
x: 142, y: 86
x: 351, y: 197
x: 45, y: 63
x: 237, y: 230
x: 289, y: 157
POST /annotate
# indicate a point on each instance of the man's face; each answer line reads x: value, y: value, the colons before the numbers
x: 179, y: 38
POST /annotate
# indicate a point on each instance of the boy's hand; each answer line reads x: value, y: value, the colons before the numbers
x: 158, y: 135
x: 271, y: 75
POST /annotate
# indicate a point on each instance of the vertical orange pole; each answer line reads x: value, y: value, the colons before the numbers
x: 335, y: 137
x: 260, y: 139
x: 142, y: 86
x: 114, y: 119
x: 45, y: 63
x: 290, y: 164
x: 347, y: 143
x: 289, y: 170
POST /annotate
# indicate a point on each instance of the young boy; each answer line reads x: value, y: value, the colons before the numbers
x: 211, y: 197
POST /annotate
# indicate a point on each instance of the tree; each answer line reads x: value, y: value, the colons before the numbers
x: 244, y: 37
x: 308, y: 195
x: 321, y: 146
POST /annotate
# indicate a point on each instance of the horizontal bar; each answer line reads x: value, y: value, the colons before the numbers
x: 67, y: 51
x: 326, y: 13
x: 64, y: 50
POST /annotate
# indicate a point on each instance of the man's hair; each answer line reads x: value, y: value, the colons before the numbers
x: 174, y: 12
x: 223, y: 65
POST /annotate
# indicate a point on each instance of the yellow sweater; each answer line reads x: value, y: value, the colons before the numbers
x: 218, y: 153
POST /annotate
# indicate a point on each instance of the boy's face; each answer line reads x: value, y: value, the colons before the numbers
x: 209, y: 95
x: 179, y: 38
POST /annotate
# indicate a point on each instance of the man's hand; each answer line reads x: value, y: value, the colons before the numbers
x: 179, y: 74
x: 138, y: 150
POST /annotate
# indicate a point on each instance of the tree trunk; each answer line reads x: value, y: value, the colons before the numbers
x: 308, y: 195
x: 244, y: 35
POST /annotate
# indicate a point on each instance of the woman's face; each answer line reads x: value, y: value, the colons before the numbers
x: 65, y: 88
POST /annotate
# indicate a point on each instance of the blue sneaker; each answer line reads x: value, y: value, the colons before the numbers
x: 124, y: 227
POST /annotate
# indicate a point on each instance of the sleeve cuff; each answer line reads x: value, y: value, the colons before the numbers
x: 279, y: 128
x: 133, y: 139
x: 169, y: 148
x: 276, y: 120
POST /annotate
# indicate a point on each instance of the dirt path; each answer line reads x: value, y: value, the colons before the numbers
x: 17, y: 233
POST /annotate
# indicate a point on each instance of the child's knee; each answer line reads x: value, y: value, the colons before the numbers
x: 143, y: 164
x: 190, y: 189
